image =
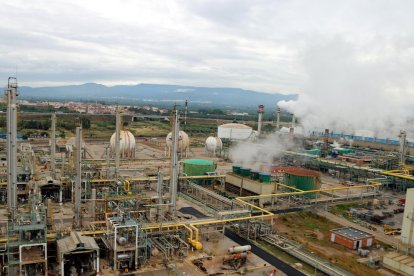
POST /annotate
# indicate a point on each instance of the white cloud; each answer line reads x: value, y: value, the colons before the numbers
x: 260, y: 45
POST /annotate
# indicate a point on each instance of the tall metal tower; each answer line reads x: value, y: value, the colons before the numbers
x: 11, y: 93
x: 117, y: 142
x: 174, y: 161
x: 78, y: 181
x: 403, y: 146
x: 53, y: 147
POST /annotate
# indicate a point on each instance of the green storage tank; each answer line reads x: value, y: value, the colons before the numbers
x: 265, y: 177
x: 303, y: 179
x: 245, y: 171
x: 193, y: 167
x: 236, y: 169
x: 313, y: 152
x: 254, y: 175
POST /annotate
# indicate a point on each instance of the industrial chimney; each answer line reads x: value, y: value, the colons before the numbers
x: 260, y: 112
x: 326, y: 140
x: 403, y: 146
x: 278, y: 118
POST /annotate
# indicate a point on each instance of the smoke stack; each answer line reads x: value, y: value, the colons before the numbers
x: 260, y: 112
x: 326, y: 140
x: 293, y: 120
x: 291, y: 133
x: 403, y: 146
x: 278, y: 118
x: 186, y: 110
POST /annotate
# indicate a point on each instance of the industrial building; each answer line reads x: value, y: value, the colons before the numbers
x: 351, y: 238
x: 122, y: 205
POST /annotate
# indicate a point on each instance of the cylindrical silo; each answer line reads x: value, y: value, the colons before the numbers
x: 193, y: 167
x: 305, y: 180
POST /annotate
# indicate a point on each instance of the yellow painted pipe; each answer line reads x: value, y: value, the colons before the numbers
x: 155, y: 178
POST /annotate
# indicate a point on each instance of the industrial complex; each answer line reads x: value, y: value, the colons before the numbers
x: 243, y: 200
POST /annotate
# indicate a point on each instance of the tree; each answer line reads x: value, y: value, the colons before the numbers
x: 86, y: 123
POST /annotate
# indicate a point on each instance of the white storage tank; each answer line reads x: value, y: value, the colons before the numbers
x: 214, y: 145
x: 234, y: 131
x: 183, y: 143
x: 126, y: 144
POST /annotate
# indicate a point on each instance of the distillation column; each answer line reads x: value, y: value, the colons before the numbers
x: 78, y: 145
x: 174, y: 162
x: 117, y: 142
x: 53, y: 147
x: 160, y: 180
x: 11, y: 94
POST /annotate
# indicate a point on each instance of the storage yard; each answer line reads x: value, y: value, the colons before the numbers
x: 183, y: 205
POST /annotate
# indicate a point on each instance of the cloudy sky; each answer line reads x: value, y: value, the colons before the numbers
x: 265, y: 45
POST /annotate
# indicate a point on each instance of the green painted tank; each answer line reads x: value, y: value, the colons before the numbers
x: 245, y: 171
x: 265, y: 177
x: 305, y: 180
x: 313, y: 152
x: 193, y: 167
x: 254, y: 175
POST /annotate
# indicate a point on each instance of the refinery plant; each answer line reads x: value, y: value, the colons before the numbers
x: 253, y: 198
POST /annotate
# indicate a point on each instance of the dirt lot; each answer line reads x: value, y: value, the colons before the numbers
x: 312, y: 231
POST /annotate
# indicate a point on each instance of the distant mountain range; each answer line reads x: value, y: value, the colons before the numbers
x: 155, y: 94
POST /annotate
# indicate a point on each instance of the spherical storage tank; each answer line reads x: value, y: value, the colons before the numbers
x: 303, y: 179
x: 192, y: 167
x: 183, y: 142
x: 234, y: 131
x: 126, y: 144
x: 213, y: 145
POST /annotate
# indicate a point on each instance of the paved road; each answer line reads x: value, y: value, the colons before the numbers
x: 390, y: 240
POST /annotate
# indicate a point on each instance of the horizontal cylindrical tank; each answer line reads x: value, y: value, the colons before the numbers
x: 123, y: 256
x: 193, y: 167
x: 304, y: 180
x: 121, y: 240
x: 235, y: 257
x: 313, y: 151
x: 239, y: 249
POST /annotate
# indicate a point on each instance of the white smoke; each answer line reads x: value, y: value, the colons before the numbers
x: 353, y: 89
x: 252, y: 154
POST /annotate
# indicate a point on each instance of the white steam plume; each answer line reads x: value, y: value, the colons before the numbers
x: 357, y: 88
x: 264, y: 151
